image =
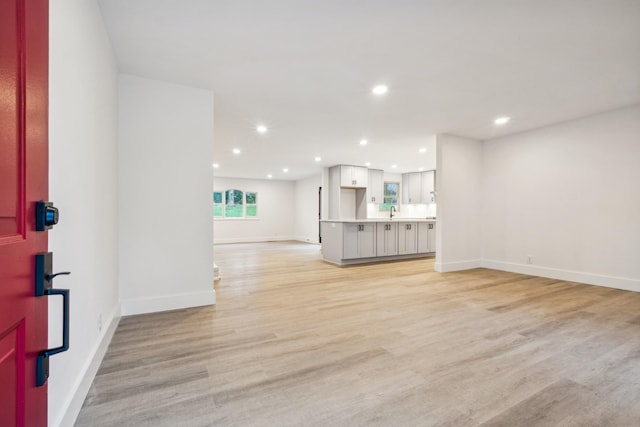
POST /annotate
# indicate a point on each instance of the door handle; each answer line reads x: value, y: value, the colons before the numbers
x: 44, y: 287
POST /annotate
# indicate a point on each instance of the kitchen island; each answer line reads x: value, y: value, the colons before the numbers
x: 346, y: 242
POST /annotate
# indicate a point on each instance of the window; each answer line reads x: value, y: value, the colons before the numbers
x: 390, y: 196
x: 218, y: 206
x: 252, y: 203
x: 235, y: 204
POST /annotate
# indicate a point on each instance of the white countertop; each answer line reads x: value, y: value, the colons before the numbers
x: 380, y: 220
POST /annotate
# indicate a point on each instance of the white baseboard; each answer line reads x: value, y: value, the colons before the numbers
x: 253, y: 239
x: 568, y: 275
x: 167, y: 302
x: 445, y: 267
x: 74, y: 402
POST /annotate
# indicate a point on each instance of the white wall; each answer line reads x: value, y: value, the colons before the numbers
x: 458, y: 186
x: 164, y: 185
x: 306, y: 202
x: 83, y: 184
x: 276, y: 212
x: 568, y: 195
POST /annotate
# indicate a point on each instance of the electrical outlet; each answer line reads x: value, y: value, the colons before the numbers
x: 100, y: 322
x: 529, y: 259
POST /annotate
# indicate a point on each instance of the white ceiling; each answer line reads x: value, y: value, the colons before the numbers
x: 306, y: 68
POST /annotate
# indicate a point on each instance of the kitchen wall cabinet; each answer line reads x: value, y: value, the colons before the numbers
x: 411, y: 187
x: 387, y: 239
x: 359, y: 240
x: 428, y: 187
x: 353, y: 176
x: 426, y: 237
x: 375, y: 186
x: 347, y: 202
x: 407, y: 238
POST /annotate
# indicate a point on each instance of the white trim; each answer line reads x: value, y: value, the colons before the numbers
x: 73, y: 403
x: 167, y: 302
x: 457, y: 265
x: 624, y: 283
x: 253, y: 239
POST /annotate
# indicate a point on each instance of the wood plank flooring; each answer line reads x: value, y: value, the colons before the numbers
x: 294, y: 341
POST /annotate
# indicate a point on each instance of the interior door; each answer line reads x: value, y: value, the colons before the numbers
x: 23, y: 181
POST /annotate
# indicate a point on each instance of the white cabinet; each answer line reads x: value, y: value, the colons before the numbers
x: 411, y: 187
x: 418, y: 187
x: 407, y: 238
x: 375, y: 186
x: 428, y: 187
x: 353, y: 176
x: 426, y: 237
x: 387, y: 239
x: 359, y: 240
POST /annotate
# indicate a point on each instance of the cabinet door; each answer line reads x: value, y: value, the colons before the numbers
x: 423, y: 237
x: 432, y: 236
x: 415, y: 187
x: 411, y: 187
x: 360, y: 176
x: 375, y: 186
x: 428, y: 186
x: 407, y: 238
x: 387, y: 239
x: 350, y: 241
x: 367, y: 240
x: 346, y: 176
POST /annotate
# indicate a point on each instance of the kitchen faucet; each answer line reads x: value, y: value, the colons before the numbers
x: 391, y: 211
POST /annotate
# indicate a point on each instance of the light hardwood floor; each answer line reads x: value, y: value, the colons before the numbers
x: 294, y: 341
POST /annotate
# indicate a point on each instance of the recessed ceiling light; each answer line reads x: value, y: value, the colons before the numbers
x: 215, y: 165
x: 380, y: 89
x: 363, y: 142
x: 420, y: 169
x: 394, y: 166
x: 269, y: 176
x: 236, y: 151
x: 422, y: 150
x: 262, y: 129
x: 501, y: 120
x: 368, y: 164
x: 285, y: 170
x: 317, y: 159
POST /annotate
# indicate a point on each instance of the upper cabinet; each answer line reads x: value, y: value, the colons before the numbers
x: 353, y: 176
x: 428, y: 187
x: 418, y: 187
x: 375, y: 186
x: 411, y: 188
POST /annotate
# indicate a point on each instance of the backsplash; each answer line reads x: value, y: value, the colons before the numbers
x: 404, y: 211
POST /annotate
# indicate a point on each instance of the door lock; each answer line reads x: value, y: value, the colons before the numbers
x: 47, y: 216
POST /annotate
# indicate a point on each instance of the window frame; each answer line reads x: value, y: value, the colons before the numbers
x: 225, y: 207
x: 386, y: 207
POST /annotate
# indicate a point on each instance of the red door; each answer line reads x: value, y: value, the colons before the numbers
x: 23, y: 181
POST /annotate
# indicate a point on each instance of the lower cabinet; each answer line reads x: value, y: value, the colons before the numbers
x: 359, y: 240
x: 387, y: 239
x: 426, y: 237
x: 407, y: 238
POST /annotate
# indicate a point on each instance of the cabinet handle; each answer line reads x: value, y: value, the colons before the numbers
x: 431, y: 226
